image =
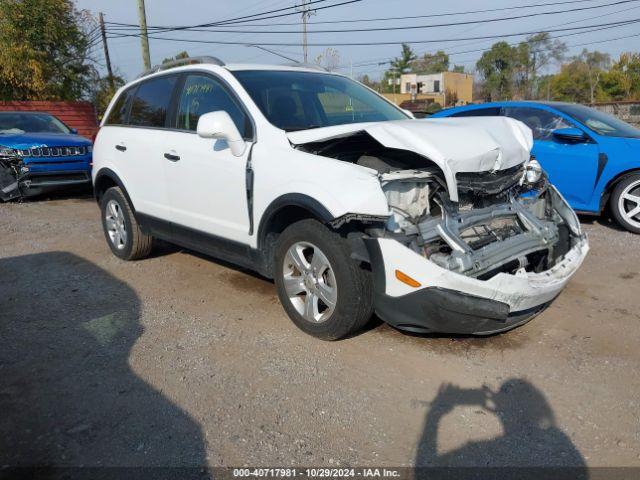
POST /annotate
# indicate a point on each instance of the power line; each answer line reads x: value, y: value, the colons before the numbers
x: 239, y: 19
x: 377, y: 61
x: 413, y: 27
x: 399, y: 42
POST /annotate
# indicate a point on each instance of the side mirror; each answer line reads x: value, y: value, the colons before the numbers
x: 570, y: 135
x: 219, y: 125
x: 409, y: 112
x: 73, y: 130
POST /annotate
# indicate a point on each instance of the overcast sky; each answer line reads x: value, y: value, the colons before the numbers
x: 126, y: 56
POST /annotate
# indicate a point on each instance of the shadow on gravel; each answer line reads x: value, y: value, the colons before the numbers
x: 531, y: 445
x: 67, y: 394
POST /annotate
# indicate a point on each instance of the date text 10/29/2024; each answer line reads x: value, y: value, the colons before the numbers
x: 316, y: 472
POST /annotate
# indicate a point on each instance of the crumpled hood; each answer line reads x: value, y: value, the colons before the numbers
x: 31, y: 140
x: 473, y: 144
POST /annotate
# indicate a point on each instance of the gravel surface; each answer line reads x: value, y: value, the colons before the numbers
x: 182, y: 360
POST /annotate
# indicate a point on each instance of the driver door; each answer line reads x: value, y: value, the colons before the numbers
x: 572, y: 166
x: 206, y: 183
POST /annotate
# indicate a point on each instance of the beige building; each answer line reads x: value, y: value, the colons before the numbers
x: 446, y: 88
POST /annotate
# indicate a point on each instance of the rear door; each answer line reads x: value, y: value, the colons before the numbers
x: 572, y: 166
x: 141, y: 144
x: 207, y: 184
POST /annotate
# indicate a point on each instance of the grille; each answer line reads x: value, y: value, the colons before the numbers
x: 54, y: 151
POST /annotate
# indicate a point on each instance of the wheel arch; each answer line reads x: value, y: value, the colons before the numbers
x: 105, y: 179
x: 287, y: 209
x: 611, y: 184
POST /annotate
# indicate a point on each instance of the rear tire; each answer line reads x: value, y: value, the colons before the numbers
x: 324, y: 291
x: 625, y: 203
x: 123, y: 234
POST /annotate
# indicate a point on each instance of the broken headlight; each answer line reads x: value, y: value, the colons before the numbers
x: 532, y: 172
x: 6, y: 152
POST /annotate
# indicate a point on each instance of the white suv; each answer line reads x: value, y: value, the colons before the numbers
x: 350, y: 204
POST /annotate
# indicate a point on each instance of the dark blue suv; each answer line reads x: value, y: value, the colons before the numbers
x: 39, y: 153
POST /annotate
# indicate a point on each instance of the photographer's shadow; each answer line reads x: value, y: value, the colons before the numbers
x: 531, y: 437
x: 68, y: 394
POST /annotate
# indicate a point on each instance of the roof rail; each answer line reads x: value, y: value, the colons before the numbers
x: 313, y: 66
x: 181, y: 62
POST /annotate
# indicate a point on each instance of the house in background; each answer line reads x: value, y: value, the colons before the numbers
x: 446, y: 88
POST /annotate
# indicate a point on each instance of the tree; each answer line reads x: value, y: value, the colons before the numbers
x: 537, y: 52
x: 44, y: 50
x: 329, y: 59
x: 498, y: 66
x: 627, y: 72
x: 596, y: 63
x: 571, y: 83
x: 402, y: 64
x: 179, y: 56
x: 103, y: 93
x: 458, y: 68
x: 431, y: 63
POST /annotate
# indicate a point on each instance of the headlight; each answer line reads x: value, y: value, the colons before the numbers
x: 532, y: 172
x: 6, y: 152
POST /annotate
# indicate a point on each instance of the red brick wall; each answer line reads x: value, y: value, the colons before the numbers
x: 80, y: 115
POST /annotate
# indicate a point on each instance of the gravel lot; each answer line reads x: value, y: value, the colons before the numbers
x: 182, y: 360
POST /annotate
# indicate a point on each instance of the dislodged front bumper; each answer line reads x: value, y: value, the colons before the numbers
x: 454, y: 303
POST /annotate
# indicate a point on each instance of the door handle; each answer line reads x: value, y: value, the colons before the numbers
x: 172, y: 157
x: 122, y: 148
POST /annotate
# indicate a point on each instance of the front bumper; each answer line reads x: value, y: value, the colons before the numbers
x: 449, y: 302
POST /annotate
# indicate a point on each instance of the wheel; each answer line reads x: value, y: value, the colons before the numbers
x: 324, y: 291
x: 123, y: 234
x: 625, y: 203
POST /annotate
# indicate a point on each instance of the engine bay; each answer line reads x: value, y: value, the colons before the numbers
x: 505, y: 220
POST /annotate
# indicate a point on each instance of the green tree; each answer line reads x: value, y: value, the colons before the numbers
x: 44, y: 50
x: 103, y: 92
x: 498, y: 67
x: 431, y: 63
x: 627, y: 73
x: 402, y: 64
x: 571, y: 84
x: 458, y: 68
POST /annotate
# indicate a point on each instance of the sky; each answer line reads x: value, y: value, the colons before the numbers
x: 126, y: 55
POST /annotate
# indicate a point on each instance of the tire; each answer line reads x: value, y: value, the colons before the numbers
x: 307, y: 297
x: 625, y: 200
x: 121, y: 230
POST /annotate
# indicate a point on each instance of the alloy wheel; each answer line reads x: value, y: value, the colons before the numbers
x: 310, y: 282
x: 115, y: 224
x: 629, y: 204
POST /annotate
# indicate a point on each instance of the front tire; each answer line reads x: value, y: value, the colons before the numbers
x: 625, y: 203
x: 123, y: 234
x: 324, y: 291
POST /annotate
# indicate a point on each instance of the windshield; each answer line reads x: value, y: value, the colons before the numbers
x: 17, y: 123
x: 601, y: 123
x: 302, y: 100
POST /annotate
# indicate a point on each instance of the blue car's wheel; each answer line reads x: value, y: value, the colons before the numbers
x: 625, y: 203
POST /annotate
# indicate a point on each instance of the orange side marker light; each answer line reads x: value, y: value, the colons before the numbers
x: 406, y: 279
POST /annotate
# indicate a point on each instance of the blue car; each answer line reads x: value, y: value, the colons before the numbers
x: 591, y: 157
x: 39, y: 153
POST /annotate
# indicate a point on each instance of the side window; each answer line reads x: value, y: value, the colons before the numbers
x: 151, y: 102
x: 541, y: 122
x: 479, y: 112
x: 118, y: 114
x: 203, y: 94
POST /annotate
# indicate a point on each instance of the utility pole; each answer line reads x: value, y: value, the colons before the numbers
x: 144, y: 38
x: 306, y: 13
x: 106, y: 51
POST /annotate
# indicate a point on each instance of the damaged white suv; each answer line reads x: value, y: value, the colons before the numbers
x: 316, y: 181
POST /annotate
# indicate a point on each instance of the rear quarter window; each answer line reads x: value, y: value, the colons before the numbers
x: 119, y: 111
